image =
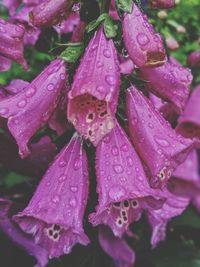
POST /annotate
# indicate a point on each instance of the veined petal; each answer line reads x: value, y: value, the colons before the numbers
x: 94, y: 94
x: 31, y: 108
x: 117, y: 248
x: 55, y: 213
x: 121, y: 184
x: 159, y: 146
x: 144, y: 46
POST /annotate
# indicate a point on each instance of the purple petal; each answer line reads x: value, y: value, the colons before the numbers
x: 78, y: 33
x: 29, y: 110
x: 11, y: 42
x: 12, y: 5
x: 127, y: 66
x: 194, y: 59
x: 144, y: 46
x: 172, y: 43
x: 5, y: 63
x: 55, y: 213
x: 121, y: 184
x: 49, y: 12
x: 116, y: 248
x: 69, y: 24
x: 189, y: 121
x: 159, y: 146
x: 159, y: 218
x: 16, y: 86
x: 94, y: 93
x: 162, y: 3
x: 17, y: 236
x: 170, y: 82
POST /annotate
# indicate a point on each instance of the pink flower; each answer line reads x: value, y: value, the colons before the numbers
x: 172, y: 43
x: 162, y: 3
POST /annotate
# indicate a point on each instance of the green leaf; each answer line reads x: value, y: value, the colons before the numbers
x: 110, y: 28
x: 72, y: 53
x: 124, y: 5
x: 13, y: 179
x: 189, y: 218
x: 95, y: 23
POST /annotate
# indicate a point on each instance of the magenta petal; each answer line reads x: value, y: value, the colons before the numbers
x: 159, y: 218
x: 11, y: 42
x: 160, y: 147
x: 121, y: 184
x: 55, y: 213
x: 189, y: 121
x: 69, y: 24
x: 162, y: 3
x: 78, y: 32
x: 5, y: 63
x: 144, y: 46
x: 49, y: 12
x: 172, y: 43
x: 17, y: 236
x: 29, y: 110
x: 94, y: 94
x: 127, y: 66
x: 170, y: 82
x: 116, y: 248
x: 12, y: 5
x: 16, y: 86
x: 194, y: 59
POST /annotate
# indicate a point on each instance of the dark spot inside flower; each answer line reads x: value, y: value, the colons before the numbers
x: 123, y: 213
x: 55, y: 236
x: 126, y: 203
x: 91, y: 116
x: 116, y: 204
x: 88, y: 103
x: 90, y: 132
x: 94, y: 98
x: 50, y: 232
x: 56, y: 227
x: 102, y: 114
x: 120, y: 221
x: 134, y: 203
x: 125, y: 218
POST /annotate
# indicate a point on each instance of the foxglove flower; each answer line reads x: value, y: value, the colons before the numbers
x: 170, y: 82
x: 29, y: 110
x: 189, y: 121
x: 12, y: 5
x: 158, y: 219
x: 78, y: 32
x: 126, y: 65
x: 94, y: 94
x: 116, y: 248
x: 162, y: 3
x: 144, y: 46
x: 49, y: 12
x: 121, y: 184
x: 42, y: 153
x: 5, y: 64
x: 11, y: 42
x: 194, y: 59
x: 55, y: 212
x: 16, y: 86
x: 159, y: 146
x: 172, y: 43
x: 17, y: 236
x: 69, y: 24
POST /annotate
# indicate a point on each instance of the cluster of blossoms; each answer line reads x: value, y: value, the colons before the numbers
x: 148, y: 166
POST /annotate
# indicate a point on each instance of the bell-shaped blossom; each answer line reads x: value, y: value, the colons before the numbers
x: 49, y: 12
x: 194, y: 59
x: 11, y: 42
x: 162, y: 3
x: 189, y: 121
x: 69, y: 24
x: 158, y: 219
x: 159, y: 146
x: 172, y: 43
x: 170, y: 82
x: 12, y: 5
x: 29, y: 110
x: 117, y: 248
x: 144, y: 46
x: 121, y: 184
x: 41, y: 154
x: 126, y: 64
x: 92, y: 100
x: 55, y: 213
x: 5, y: 63
x: 18, y: 237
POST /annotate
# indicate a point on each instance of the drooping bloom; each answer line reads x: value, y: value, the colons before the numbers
x: 12, y: 5
x: 117, y: 248
x: 172, y: 43
x: 5, y: 63
x: 170, y: 82
x: 31, y: 108
x: 194, y: 59
x: 55, y: 213
x: 189, y: 121
x: 18, y: 237
x: 159, y: 218
x: 144, y: 46
x: 159, y: 146
x: 121, y: 184
x: 41, y: 154
x: 126, y: 64
x: 92, y: 100
x: 49, y: 12
x: 11, y: 42
x: 69, y: 24
x: 162, y: 3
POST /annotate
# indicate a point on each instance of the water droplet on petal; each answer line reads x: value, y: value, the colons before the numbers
x: 30, y: 92
x: 62, y: 178
x: 22, y: 103
x: 55, y: 199
x: 129, y: 161
x: 118, y: 168
x: 110, y: 80
x: 50, y: 87
x: 72, y: 202
x: 74, y: 189
x: 106, y: 53
x: 142, y: 39
x: 161, y: 141
x: 115, y: 151
x: 77, y: 164
x: 62, y: 163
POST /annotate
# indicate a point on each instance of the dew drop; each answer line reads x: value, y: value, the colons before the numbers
x: 62, y: 163
x: 118, y: 168
x: 62, y: 178
x: 30, y: 92
x: 77, y: 164
x: 50, y: 87
x: 115, y: 151
x: 22, y: 103
x: 110, y: 80
x: 129, y: 161
x: 161, y: 141
x: 142, y: 39
x: 74, y: 189
x: 55, y: 199
x: 106, y: 53
x: 72, y: 202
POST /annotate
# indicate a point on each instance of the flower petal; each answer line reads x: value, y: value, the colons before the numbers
x: 162, y: 3
x: 55, y: 213
x: 159, y: 146
x: 5, y: 64
x: 194, y: 59
x: 29, y: 110
x: 94, y: 93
